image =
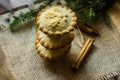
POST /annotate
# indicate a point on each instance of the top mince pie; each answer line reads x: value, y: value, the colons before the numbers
x: 56, y: 20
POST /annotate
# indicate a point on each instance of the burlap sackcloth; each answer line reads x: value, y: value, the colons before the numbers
x: 20, y: 61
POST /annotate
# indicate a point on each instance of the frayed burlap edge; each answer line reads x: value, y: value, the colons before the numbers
x: 108, y: 76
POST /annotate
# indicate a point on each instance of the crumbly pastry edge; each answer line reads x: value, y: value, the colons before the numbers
x: 37, y: 44
x: 46, y: 45
x: 70, y: 28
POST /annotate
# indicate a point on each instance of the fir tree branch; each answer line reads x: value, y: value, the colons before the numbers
x: 28, y: 16
x: 88, y: 12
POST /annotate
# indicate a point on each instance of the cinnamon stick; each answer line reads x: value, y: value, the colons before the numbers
x: 89, y: 30
x: 82, y: 53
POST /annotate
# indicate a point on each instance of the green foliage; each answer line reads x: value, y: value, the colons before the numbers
x: 107, y: 20
x: 88, y: 11
x: 26, y: 17
x: 20, y: 20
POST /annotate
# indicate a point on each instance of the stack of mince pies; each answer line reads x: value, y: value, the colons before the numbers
x: 55, y: 31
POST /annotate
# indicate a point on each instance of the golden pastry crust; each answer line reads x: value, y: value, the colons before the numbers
x: 54, y: 42
x: 51, y: 54
x: 56, y: 20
